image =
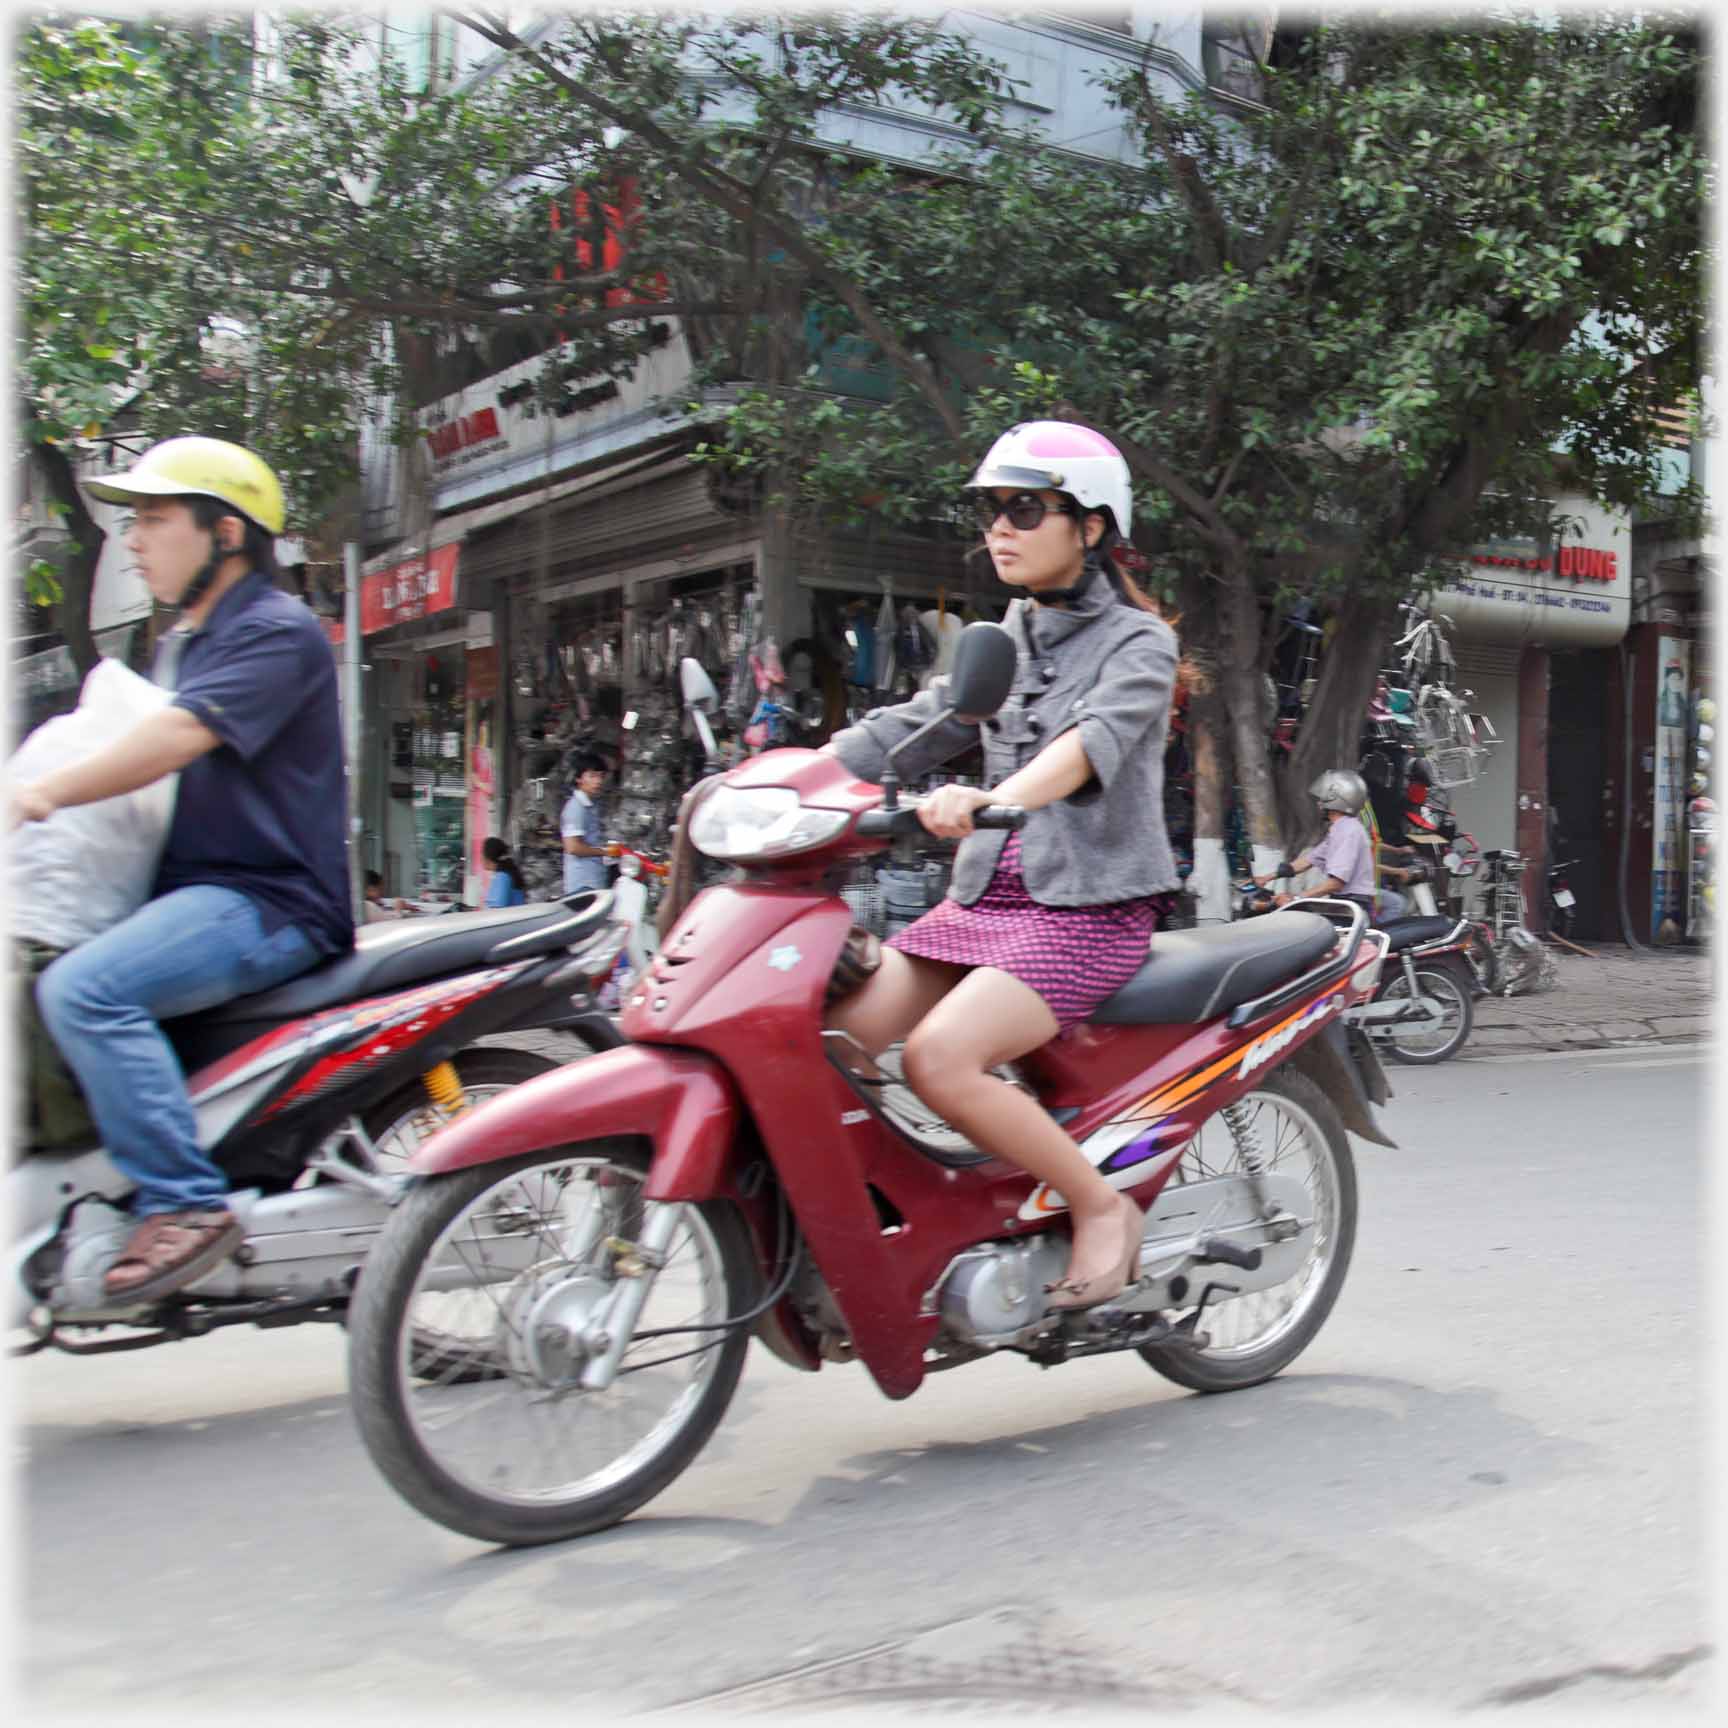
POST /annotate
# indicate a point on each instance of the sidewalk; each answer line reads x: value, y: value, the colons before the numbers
x: 1618, y: 996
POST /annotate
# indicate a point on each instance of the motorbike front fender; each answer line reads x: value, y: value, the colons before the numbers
x: 685, y: 1104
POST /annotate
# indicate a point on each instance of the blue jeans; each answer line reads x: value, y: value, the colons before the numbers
x: 189, y: 950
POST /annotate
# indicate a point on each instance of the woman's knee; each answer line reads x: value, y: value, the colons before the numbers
x: 937, y: 1062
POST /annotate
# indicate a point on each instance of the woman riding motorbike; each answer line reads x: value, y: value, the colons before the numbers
x: 1041, y: 925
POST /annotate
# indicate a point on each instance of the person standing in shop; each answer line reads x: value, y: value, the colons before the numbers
x: 584, y: 849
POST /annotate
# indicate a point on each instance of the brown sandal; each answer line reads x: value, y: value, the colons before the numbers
x: 171, y: 1249
x: 1069, y: 1293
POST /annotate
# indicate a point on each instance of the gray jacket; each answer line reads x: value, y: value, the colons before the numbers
x: 1095, y: 664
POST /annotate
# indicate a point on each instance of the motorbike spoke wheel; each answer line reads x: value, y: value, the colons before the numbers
x: 454, y: 1337
x: 528, y: 1455
x: 1429, y: 1040
x: 1251, y: 1337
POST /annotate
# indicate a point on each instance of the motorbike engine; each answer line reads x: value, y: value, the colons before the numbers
x: 67, y: 1272
x: 995, y: 1293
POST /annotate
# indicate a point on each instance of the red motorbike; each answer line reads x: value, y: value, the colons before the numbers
x: 609, y: 1237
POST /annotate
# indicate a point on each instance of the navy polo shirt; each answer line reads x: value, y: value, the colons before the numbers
x: 265, y: 812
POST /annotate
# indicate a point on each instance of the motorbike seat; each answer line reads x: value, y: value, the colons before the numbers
x: 1195, y: 975
x: 390, y: 956
x: 1412, y: 931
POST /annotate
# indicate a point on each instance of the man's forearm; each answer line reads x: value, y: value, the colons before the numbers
x: 156, y: 747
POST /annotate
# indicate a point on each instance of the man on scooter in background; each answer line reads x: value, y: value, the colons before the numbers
x: 1345, y: 852
x: 252, y: 887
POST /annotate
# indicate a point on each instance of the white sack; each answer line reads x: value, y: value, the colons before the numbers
x: 86, y: 868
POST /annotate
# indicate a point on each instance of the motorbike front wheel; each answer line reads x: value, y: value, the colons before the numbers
x: 526, y: 1455
x: 1438, y: 1037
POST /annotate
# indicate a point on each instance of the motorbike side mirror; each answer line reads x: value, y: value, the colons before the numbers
x: 699, y: 697
x: 985, y: 660
x: 697, y: 686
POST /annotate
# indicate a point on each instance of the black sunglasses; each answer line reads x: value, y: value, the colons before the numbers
x: 1025, y: 510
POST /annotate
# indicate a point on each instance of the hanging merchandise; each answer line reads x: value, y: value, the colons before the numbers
x: 767, y: 725
x: 860, y: 633
x: 741, y: 697
x: 887, y: 663
x: 944, y: 628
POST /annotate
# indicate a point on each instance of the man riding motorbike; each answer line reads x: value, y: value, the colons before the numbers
x: 1345, y: 852
x: 252, y: 887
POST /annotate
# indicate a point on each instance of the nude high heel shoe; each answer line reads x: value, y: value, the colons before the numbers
x: 1066, y: 1293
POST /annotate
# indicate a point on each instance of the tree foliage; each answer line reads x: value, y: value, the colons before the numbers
x: 1337, y: 336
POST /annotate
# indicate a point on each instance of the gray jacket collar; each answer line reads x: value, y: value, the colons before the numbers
x: 1040, y: 628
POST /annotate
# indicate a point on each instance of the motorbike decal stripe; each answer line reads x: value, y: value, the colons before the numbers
x: 1163, y: 1101
x: 389, y: 1040
x: 1045, y: 1201
x: 1271, y: 1044
x: 1178, y: 1091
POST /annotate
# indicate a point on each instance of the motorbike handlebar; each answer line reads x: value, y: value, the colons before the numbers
x: 904, y: 820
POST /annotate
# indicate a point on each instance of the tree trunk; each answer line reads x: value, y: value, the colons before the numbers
x: 1209, y: 753
x: 78, y: 579
x: 1242, y: 687
x: 1331, y: 730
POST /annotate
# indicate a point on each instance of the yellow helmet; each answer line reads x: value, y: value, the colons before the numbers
x: 200, y: 468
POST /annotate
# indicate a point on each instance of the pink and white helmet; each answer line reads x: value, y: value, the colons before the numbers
x: 1067, y: 458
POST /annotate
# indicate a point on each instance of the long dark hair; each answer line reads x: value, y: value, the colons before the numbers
x: 1128, y: 591
x: 499, y: 856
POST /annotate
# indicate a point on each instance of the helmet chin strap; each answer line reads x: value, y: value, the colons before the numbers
x: 200, y: 584
x: 1090, y: 568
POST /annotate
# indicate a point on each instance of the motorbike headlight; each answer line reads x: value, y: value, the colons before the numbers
x: 734, y: 823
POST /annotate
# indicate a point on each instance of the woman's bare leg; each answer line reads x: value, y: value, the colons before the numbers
x: 895, y: 997
x: 990, y: 1018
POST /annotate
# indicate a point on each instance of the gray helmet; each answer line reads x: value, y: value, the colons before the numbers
x: 1340, y: 789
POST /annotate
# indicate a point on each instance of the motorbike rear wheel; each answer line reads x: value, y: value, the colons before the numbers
x: 528, y: 1456
x: 1421, y: 1042
x: 1252, y: 1337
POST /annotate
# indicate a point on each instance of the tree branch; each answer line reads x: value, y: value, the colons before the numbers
x: 734, y: 198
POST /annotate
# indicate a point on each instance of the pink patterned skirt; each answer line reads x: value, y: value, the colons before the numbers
x: 1073, y: 956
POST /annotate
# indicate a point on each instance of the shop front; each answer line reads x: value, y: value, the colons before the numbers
x: 1537, y: 626
x: 414, y: 782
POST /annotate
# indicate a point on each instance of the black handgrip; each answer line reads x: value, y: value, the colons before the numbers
x: 890, y: 823
x: 876, y: 823
x: 1215, y: 1251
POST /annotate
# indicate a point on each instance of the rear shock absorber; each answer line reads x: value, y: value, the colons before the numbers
x: 444, y: 1087
x: 1239, y: 1119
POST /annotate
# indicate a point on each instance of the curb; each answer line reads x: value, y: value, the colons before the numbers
x: 1525, y: 1041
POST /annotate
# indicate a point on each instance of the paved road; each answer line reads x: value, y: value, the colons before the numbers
x: 1482, y: 1487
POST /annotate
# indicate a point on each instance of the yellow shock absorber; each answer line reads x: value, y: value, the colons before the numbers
x: 444, y: 1087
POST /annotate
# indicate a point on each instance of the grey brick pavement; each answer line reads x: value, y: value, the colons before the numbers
x: 1615, y: 996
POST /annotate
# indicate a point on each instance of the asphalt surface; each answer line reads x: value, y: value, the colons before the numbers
x: 1486, y: 1486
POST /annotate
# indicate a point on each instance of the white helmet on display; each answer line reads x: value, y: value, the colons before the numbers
x: 1340, y: 789
x: 1064, y: 457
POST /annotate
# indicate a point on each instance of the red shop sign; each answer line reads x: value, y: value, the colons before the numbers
x: 415, y: 588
